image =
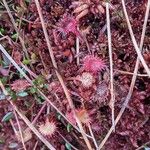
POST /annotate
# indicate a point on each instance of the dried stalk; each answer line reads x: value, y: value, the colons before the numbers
x: 91, y: 132
x: 130, y: 73
x: 35, y: 146
x: 77, y: 50
x: 140, y: 56
x: 60, y: 77
x: 133, y: 78
x: 39, y: 113
x: 112, y: 101
x: 20, y: 130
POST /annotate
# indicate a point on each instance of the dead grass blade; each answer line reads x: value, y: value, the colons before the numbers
x: 133, y: 79
x: 20, y: 130
x: 112, y: 101
x: 60, y: 77
x: 91, y: 132
x: 130, y: 73
x: 78, y: 50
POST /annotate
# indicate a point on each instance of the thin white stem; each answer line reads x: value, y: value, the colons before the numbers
x: 20, y: 130
x: 77, y: 50
x: 140, y: 56
x: 13, y: 127
x: 130, y: 73
x: 39, y: 113
x: 133, y: 79
x: 112, y: 101
x: 91, y: 132
x: 35, y: 146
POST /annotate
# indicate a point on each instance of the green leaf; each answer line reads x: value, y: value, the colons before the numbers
x: 58, y: 116
x: 2, y: 141
x: 45, y: 86
x: 39, y: 99
x: 4, y: 80
x: 68, y: 146
x: 22, y: 94
x: 7, y: 117
x: 33, y: 90
x: 28, y: 1
x: 14, y: 36
x: 13, y: 95
x: 39, y: 81
x: 2, y: 31
x: 26, y: 61
x: 69, y: 127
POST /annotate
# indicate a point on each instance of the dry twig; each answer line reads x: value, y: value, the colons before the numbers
x: 77, y: 50
x: 20, y: 130
x: 130, y: 73
x: 112, y: 101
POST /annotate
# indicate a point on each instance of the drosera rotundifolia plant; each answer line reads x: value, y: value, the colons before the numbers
x: 56, y: 72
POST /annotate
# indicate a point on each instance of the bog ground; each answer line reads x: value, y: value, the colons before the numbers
x: 75, y: 74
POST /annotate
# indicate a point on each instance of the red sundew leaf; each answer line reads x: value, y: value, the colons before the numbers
x: 93, y: 64
x: 68, y: 24
x: 20, y: 85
